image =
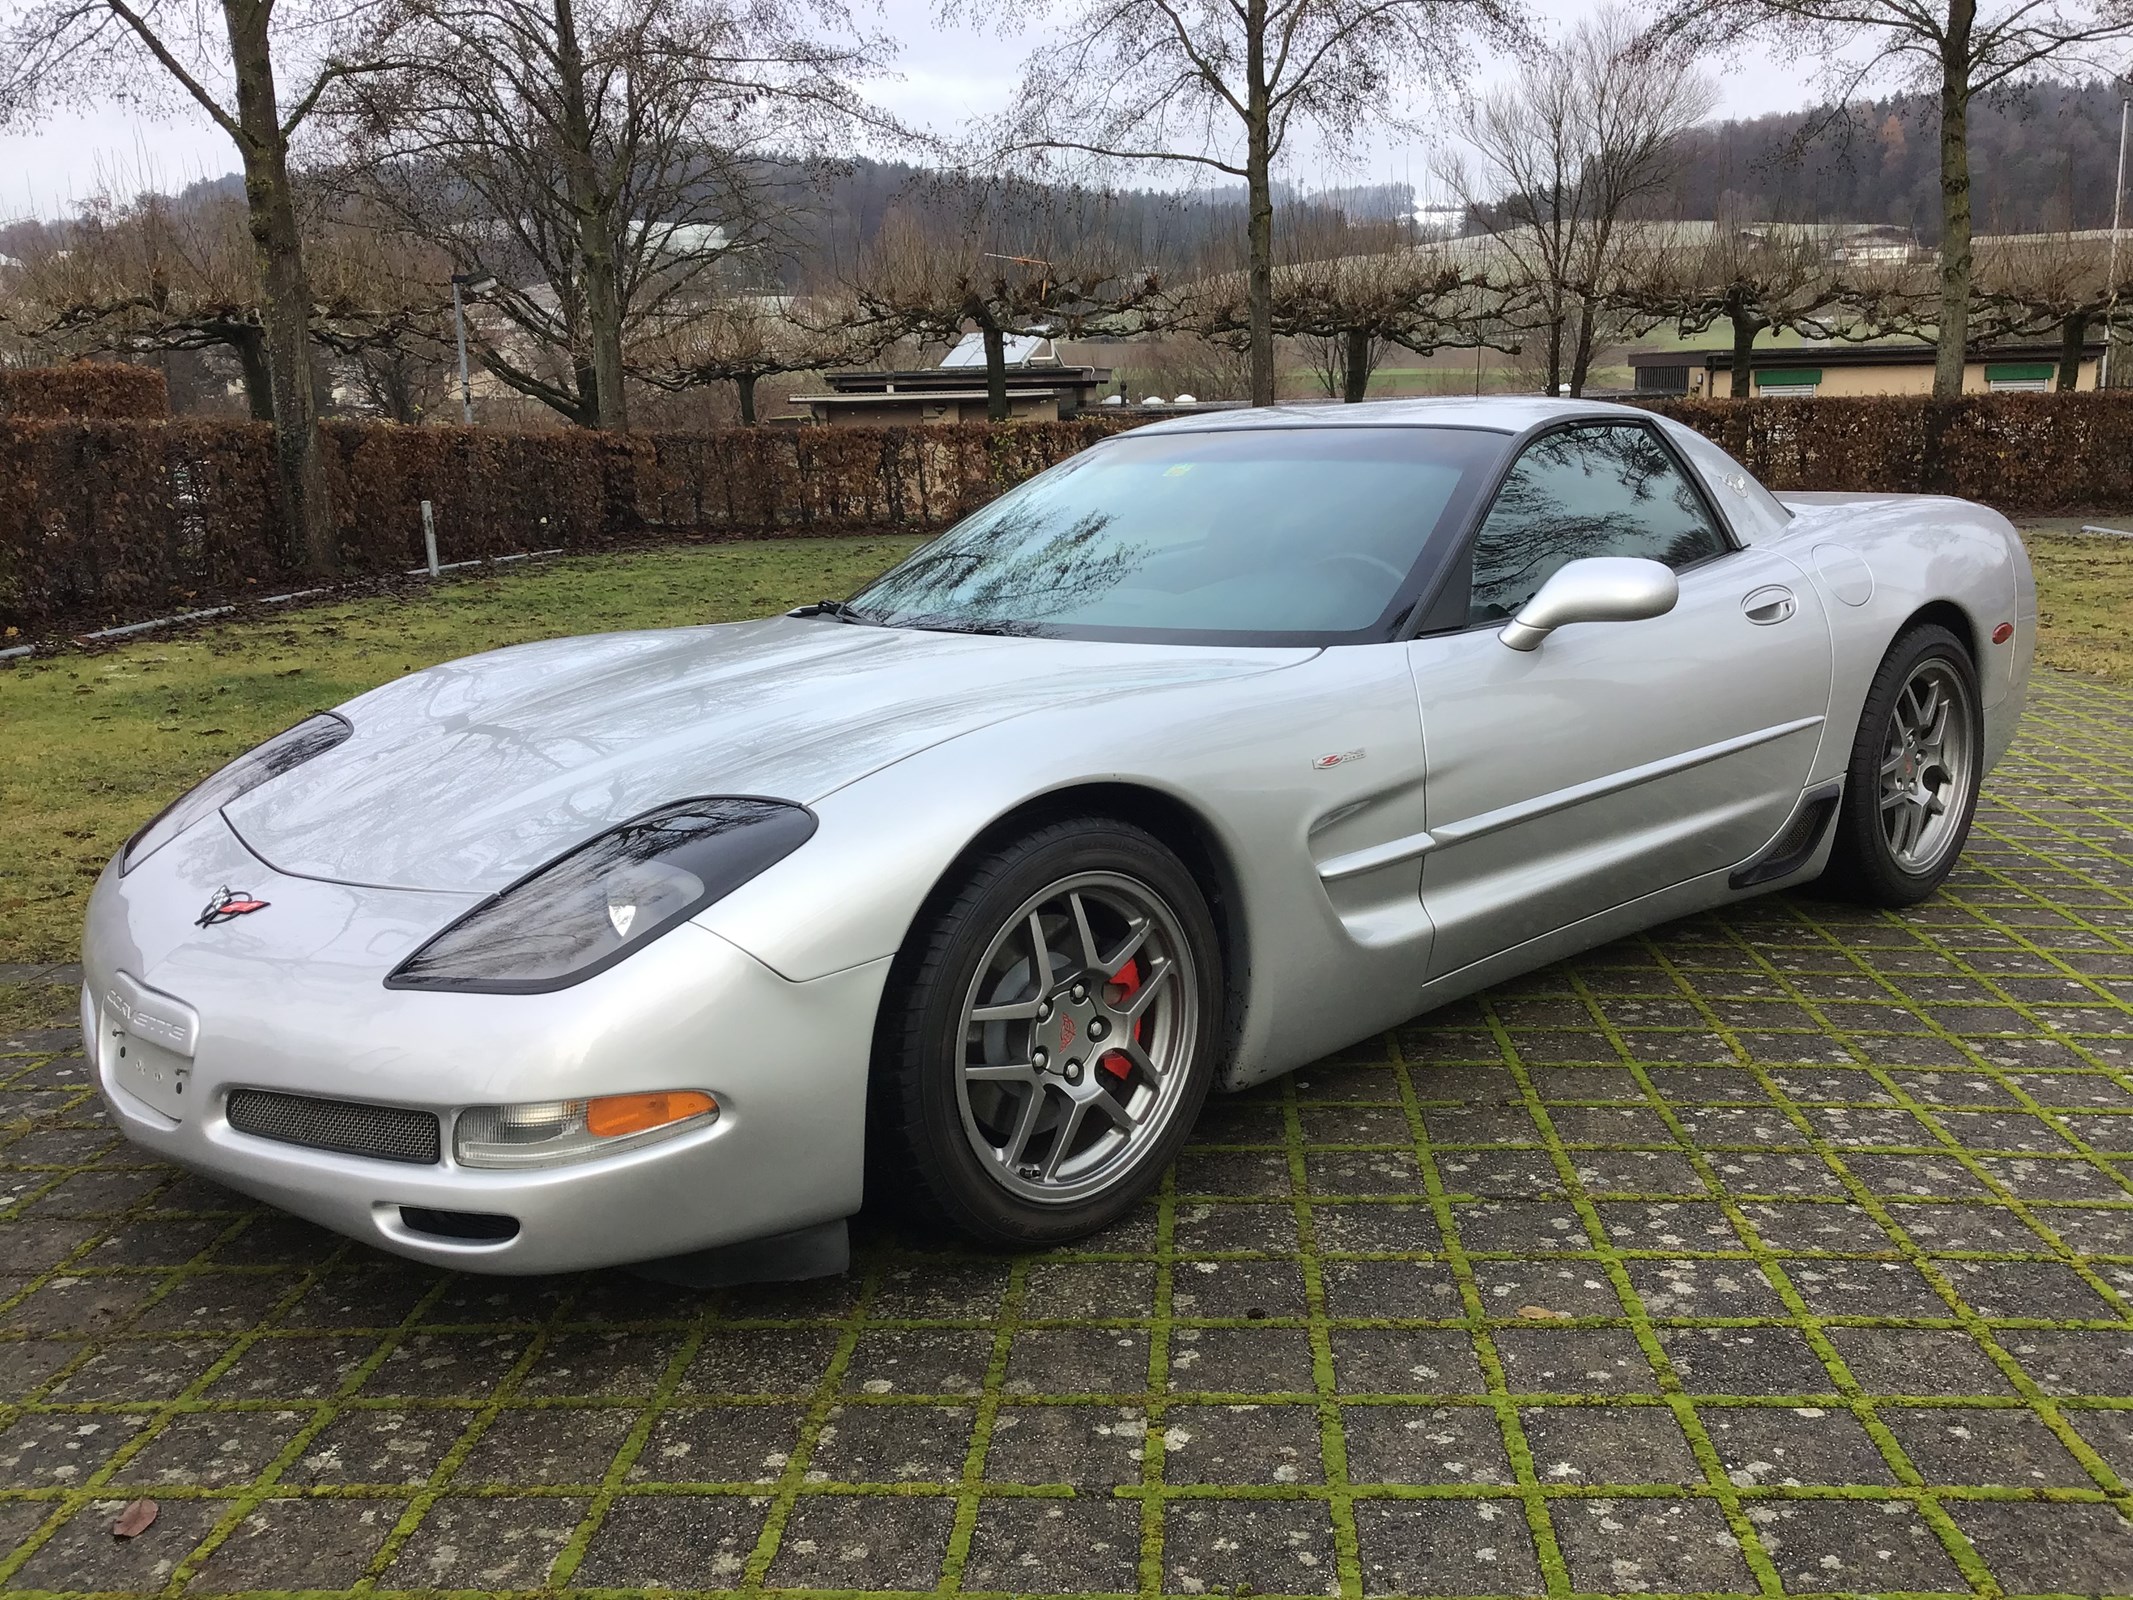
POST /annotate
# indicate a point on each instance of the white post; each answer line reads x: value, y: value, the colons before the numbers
x: 2118, y: 195
x: 429, y: 536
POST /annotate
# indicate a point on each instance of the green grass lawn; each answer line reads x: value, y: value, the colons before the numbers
x: 93, y: 745
x: 2084, y: 596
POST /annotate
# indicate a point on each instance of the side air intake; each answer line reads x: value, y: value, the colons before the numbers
x: 1795, y: 847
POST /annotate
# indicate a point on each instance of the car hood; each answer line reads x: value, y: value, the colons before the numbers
x: 469, y: 775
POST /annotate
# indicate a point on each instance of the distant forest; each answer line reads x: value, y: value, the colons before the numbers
x: 2042, y: 159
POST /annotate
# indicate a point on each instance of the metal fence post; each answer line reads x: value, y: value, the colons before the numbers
x: 429, y: 536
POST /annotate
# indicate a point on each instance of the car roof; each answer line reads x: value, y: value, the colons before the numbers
x: 1496, y: 413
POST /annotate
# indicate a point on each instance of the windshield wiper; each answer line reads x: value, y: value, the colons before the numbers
x: 842, y: 610
x: 991, y: 630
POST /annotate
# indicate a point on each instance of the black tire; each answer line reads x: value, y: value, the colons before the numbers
x: 1866, y: 864
x: 924, y: 1130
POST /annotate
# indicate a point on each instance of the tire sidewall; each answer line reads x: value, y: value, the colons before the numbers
x: 1867, y: 865
x: 970, y: 1196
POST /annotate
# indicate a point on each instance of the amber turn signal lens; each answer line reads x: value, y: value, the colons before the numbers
x: 613, y: 1115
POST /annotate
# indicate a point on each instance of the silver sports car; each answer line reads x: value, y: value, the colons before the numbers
x: 1224, y: 744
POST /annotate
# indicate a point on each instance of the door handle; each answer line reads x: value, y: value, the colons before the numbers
x: 1771, y: 604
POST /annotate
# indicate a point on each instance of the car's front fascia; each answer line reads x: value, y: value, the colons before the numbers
x: 292, y: 999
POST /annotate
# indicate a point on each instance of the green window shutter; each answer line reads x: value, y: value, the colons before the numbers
x: 1792, y: 377
x: 2021, y: 372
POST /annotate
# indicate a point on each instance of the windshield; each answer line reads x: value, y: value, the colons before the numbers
x: 1261, y: 535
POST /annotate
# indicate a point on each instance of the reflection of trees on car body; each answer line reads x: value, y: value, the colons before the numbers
x: 1282, y: 532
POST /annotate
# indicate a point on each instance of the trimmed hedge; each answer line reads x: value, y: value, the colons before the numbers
x: 107, y: 390
x: 102, y: 520
x: 108, y: 519
x: 2024, y: 454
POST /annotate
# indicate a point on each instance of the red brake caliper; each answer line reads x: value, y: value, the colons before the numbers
x: 1117, y: 992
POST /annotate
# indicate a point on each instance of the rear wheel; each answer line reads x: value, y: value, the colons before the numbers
x: 1911, y: 789
x: 1049, y: 1035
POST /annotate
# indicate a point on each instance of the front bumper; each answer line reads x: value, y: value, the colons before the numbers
x: 291, y: 999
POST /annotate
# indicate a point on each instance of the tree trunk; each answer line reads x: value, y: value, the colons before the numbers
x: 285, y: 293
x: 745, y: 384
x: 1355, y: 366
x: 2073, y: 337
x: 1581, y: 351
x: 592, y: 207
x: 251, y: 350
x: 1259, y: 200
x: 1557, y: 318
x: 1955, y: 262
x: 996, y: 408
x: 1745, y: 327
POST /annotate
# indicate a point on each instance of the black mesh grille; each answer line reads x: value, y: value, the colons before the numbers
x: 384, y: 1133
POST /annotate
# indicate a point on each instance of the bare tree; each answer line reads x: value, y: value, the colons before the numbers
x: 1350, y: 293
x: 145, y: 277
x: 1563, y: 157
x: 154, y: 275
x: 747, y: 338
x: 926, y: 280
x: 1757, y: 278
x: 2044, y: 285
x: 1221, y: 85
x: 1956, y: 50
x: 604, y: 161
x: 234, y: 59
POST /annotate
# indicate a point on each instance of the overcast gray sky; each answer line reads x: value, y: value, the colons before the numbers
x: 946, y: 76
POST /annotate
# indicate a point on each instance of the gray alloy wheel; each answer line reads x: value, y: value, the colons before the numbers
x: 1927, y: 756
x: 1077, y: 1030
x: 1911, y: 786
x: 1048, y: 1033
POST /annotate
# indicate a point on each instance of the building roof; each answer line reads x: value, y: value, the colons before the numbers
x: 934, y: 381
x: 881, y: 397
x: 1020, y: 350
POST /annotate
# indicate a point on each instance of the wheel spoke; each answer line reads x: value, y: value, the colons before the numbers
x: 1116, y: 1109
x: 1091, y: 959
x: 1003, y: 1072
x: 1894, y: 798
x: 1158, y: 972
x: 1025, y: 1125
x: 1136, y: 936
x: 1041, y: 953
x: 1070, y: 1125
x: 1009, y: 1011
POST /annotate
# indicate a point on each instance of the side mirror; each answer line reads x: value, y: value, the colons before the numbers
x: 1597, y: 589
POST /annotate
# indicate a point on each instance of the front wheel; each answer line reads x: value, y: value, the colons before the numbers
x: 1911, y: 789
x: 1049, y: 1035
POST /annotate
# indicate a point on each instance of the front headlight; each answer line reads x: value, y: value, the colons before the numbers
x: 313, y: 736
x: 588, y: 909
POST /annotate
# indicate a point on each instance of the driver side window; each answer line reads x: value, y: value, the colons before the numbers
x: 1606, y: 490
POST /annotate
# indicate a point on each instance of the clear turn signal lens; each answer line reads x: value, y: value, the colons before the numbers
x: 554, y: 1133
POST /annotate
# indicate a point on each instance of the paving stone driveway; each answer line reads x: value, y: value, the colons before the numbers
x: 1789, y: 1250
